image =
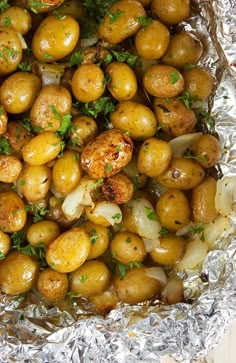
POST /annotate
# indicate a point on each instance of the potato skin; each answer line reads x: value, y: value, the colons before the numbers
x: 44, y: 5
x: 99, y: 238
x: 84, y: 129
x: 20, y: 19
x: 10, y: 41
x: 208, y: 150
x: 3, y: 120
x: 171, y: 12
x: 125, y: 26
x: 17, y: 137
x: 171, y: 249
x: 18, y: 273
x: 198, y: 82
x: 12, y: 212
x: 127, y: 247
x: 118, y: 188
x: 101, y: 158
x: 10, y: 167
x: 52, y: 285
x: 42, y: 232
x: 5, y: 243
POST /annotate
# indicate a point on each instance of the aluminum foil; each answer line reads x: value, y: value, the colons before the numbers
x: 32, y: 332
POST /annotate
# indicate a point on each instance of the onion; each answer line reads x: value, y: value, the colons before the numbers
x: 108, y: 210
x: 181, y: 143
x: 50, y: 78
x: 225, y: 195
x: 214, y: 230
x: 173, y: 291
x: 151, y: 244
x: 22, y: 41
x: 195, y: 254
x: 157, y: 273
x: 88, y: 42
x: 185, y: 230
x: 50, y: 73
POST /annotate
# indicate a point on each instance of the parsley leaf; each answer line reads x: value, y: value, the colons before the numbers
x: 174, y: 77
x: 5, y: 147
x: 2, y: 256
x: 4, y: 5
x: 75, y: 59
x: 125, y: 56
x: 35, y: 5
x: 132, y: 264
x: 163, y: 231
x: 114, y: 16
x: 150, y: 214
x: 116, y: 216
x: 7, y: 21
x: 25, y: 67
x: 199, y: 229
x: 94, y: 236
x: 102, y: 105
x: 122, y: 271
x: 188, y: 100
x: 189, y: 155
x: 144, y: 21
x: 83, y: 279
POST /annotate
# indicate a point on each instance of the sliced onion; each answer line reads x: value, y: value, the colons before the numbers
x: 50, y: 78
x: 151, y: 244
x: 214, y: 230
x: 195, y: 254
x: 88, y: 42
x: 173, y: 291
x: 181, y: 143
x: 108, y: 210
x: 185, y: 230
x: 157, y: 273
x: 225, y: 195
x: 22, y: 40
x: 50, y: 73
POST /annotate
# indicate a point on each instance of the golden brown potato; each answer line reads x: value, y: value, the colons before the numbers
x: 141, y: 65
x: 3, y: 120
x: 182, y: 174
x: 207, y: 149
x: 17, y: 18
x: 18, y: 273
x: 12, y: 212
x: 90, y: 279
x: 131, y: 171
x: 42, y: 6
x: 171, y: 12
x: 198, y: 82
x: 35, y: 182
x: 127, y: 247
x: 170, y: 250
x: 160, y: 80
x: 83, y: 130
x: 203, y: 201
x: 144, y: 2
x: 11, y: 50
x: 69, y: 250
x: 42, y: 233
x: 73, y: 8
x: 107, y: 154
x: 118, y: 188
x: 168, y: 209
x: 52, y: 285
x: 5, y: 244
x: 56, y: 214
x: 10, y: 167
x: 99, y: 238
x: 174, y: 117
x: 17, y: 136
x: 125, y: 25
x: 135, y: 119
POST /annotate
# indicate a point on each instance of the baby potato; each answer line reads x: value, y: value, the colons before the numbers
x: 118, y: 188
x: 17, y: 137
x: 122, y: 82
x: 83, y: 130
x: 73, y: 8
x: 5, y: 244
x: 11, y: 50
x: 168, y: 208
x: 12, y: 212
x: 107, y: 154
x: 18, y: 92
x: 152, y: 41
x: 69, y: 250
x: 99, y: 238
x: 10, y: 167
x: 35, y: 182
x: 136, y: 286
x: 134, y: 118
x: 42, y: 6
x: 144, y: 2
x: 198, y: 82
x: 170, y: 250
x: 18, y: 273
x: 90, y: 279
x: 66, y: 172
x: 154, y: 157
x: 96, y: 219
x: 127, y: 247
x: 141, y: 65
x: 3, y: 120
x: 106, y: 301
x: 183, y: 49
x: 42, y: 232
x: 52, y: 285
x: 171, y: 12
x: 164, y: 81
x: 19, y: 19
x: 203, y: 201
x: 125, y: 25
x: 88, y: 83
x: 182, y: 174
x: 55, y: 38
x: 207, y: 149
x: 42, y: 148
x: 52, y: 103
x: 131, y: 171
x: 174, y: 117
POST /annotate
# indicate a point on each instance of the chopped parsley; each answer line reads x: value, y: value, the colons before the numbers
x: 25, y: 67
x: 83, y: 278
x: 108, y: 167
x: 5, y: 147
x: 38, y: 213
x: 174, y: 77
x: 150, y: 214
x: 35, y: 5
x: 145, y: 21
x: 93, y: 236
x: 199, y: 229
x: 188, y: 100
x: 113, y: 16
x: 122, y: 271
x: 189, y: 155
x: 4, y: 5
x: 2, y: 256
x: 163, y: 231
x: 7, y: 21
x: 132, y: 264
x: 75, y: 59
x: 124, y: 56
x: 116, y: 216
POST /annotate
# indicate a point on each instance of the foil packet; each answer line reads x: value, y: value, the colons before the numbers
x: 32, y: 332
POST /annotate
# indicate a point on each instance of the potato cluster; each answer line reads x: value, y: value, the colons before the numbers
x: 106, y: 165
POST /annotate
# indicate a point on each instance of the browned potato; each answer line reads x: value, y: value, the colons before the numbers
x: 171, y: 12
x: 10, y: 167
x: 131, y: 171
x: 107, y: 154
x: 174, y: 117
x: 12, y: 212
x: 52, y: 285
x: 42, y: 6
x: 56, y: 214
x: 182, y: 174
x: 160, y: 80
x: 83, y: 130
x: 11, y: 50
x: 168, y: 209
x: 3, y: 120
x: 122, y: 83
x: 35, y: 182
x: 198, y: 82
x: 118, y: 188
x: 125, y: 25
x: 207, y: 150
x: 99, y: 238
x: 127, y: 247
x: 203, y: 201
x: 170, y: 251
x: 42, y: 232
x: 17, y: 18
x: 73, y: 8
x: 18, y: 273
x: 5, y: 244
x: 144, y: 2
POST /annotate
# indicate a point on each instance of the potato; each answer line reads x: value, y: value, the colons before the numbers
x: 10, y: 167
x: 170, y: 250
x: 42, y: 6
x: 73, y: 8
x: 35, y: 182
x: 5, y: 244
x: 18, y: 273
x: 136, y: 286
x: 55, y: 38
x: 174, y: 117
x: 107, y: 154
x: 154, y: 157
x: 99, y: 238
x: 127, y: 247
x: 145, y: 2
x: 88, y: 83
x: 182, y: 174
x: 118, y: 188
x: 122, y: 82
x: 69, y: 250
x: 164, y: 81
x: 42, y: 233
x: 11, y: 50
x: 152, y: 41
x: 19, y: 19
x: 52, y: 104
x: 3, y: 120
x: 83, y: 130
x: 198, y: 82
x: 207, y: 150
x: 52, y: 285
x: 136, y: 119
x: 203, y: 201
x: 183, y: 49
x: 168, y: 209
x: 171, y: 12
x: 56, y: 214
x: 141, y: 65
x: 17, y: 137
x: 106, y: 301
x: 131, y: 171
x: 12, y: 212
x: 90, y: 279
x: 42, y: 148
x: 126, y: 23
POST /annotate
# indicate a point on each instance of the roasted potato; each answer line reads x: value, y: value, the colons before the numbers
x: 42, y: 233
x: 18, y: 18
x: 52, y: 285
x: 198, y: 82
x: 35, y: 182
x: 10, y: 167
x: 203, y: 201
x: 118, y: 188
x: 127, y: 247
x: 99, y: 238
x: 11, y: 50
x: 5, y: 244
x: 171, y: 12
x: 207, y: 150
x: 12, y: 212
x: 170, y: 250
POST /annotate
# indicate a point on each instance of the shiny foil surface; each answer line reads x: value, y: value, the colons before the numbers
x: 33, y: 332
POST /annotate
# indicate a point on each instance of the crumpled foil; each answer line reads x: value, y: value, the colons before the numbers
x: 31, y: 332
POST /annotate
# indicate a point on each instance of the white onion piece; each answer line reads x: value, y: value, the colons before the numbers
x: 181, y: 143
x: 225, y: 195
x: 50, y: 78
x: 88, y: 42
x: 185, y: 230
x: 151, y: 244
x: 214, y: 230
x: 157, y: 273
x: 108, y: 210
x: 195, y: 254
x: 22, y: 40
x: 173, y: 291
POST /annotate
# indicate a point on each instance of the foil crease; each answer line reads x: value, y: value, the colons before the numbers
x: 32, y: 332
